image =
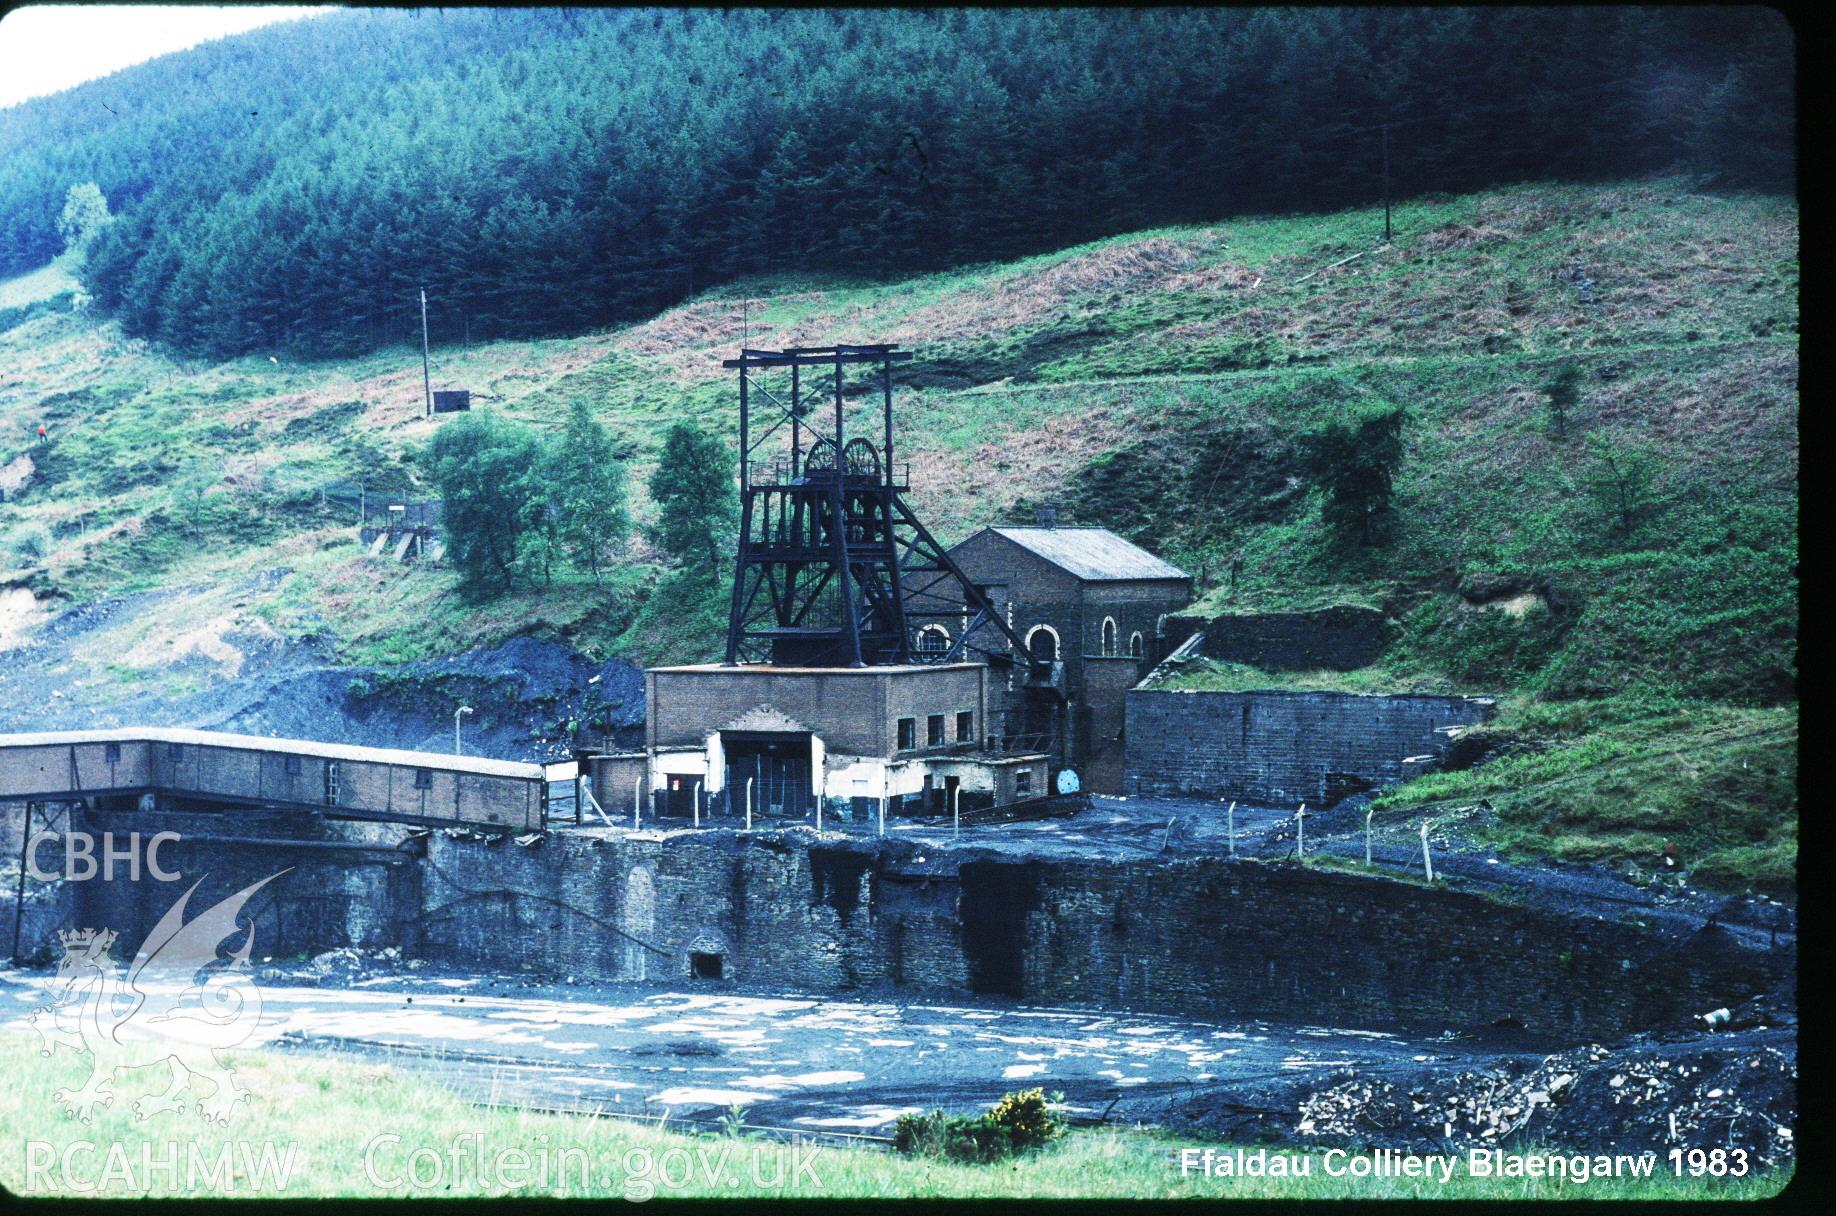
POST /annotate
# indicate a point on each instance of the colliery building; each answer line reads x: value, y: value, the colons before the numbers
x: 867, y: 667
x: 1093, y: 607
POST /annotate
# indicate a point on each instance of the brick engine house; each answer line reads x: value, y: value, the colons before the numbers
x: 1090, y: 604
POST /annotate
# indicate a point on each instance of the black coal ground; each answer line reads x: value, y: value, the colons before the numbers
x: 523, y: 692
x: 1649, y: 1094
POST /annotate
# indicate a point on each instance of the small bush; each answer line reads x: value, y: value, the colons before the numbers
x: 29, y: 544
x: 1017, y: 1123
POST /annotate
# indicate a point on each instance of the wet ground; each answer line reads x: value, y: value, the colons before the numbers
x: 790, y: 1061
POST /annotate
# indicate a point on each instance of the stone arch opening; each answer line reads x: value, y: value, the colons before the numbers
x: 1042, y: 644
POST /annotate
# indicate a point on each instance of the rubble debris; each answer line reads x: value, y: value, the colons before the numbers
x: 347, y: 963
x: 1727, y: 1090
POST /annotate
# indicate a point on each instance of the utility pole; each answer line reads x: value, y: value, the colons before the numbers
x: 426, y: 374
x: 1386, y: 183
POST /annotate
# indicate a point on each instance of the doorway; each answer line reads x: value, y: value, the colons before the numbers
x: 778, y: 765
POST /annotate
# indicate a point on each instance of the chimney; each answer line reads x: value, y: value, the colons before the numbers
x: 1046, y: 517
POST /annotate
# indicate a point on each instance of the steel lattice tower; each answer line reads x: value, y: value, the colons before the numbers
x: 827, y: 547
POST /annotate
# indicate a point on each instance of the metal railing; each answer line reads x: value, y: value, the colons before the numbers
x: 399, y: 515
x: 778, y: 472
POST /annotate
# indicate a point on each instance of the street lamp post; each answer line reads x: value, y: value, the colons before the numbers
x: 458, y: 749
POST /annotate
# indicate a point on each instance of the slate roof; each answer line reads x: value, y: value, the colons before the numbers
x: 1095, y: 555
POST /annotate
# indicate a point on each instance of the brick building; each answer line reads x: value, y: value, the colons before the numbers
x: 1090, y: 603
x: 784, y: 737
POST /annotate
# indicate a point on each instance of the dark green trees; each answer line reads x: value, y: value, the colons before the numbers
x: 585, y: 488
x: 1621, y: 482
x: 1352, y: 457
x: 517, y: 505
x: 545, y: 171
x: 693, y: 489
x: 1562, y: 394
x: 489, y: 473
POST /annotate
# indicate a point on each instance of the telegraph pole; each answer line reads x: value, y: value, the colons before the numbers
x: 426, y: 374
x: 1386, y: 183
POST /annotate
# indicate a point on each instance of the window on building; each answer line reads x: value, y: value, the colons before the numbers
x: 1135, y: 648
x: 933, y: 641
x: 423, y: 778
x: 908, y: 734
x: 1023, y: 781
x: 1109, y: 636
x: 111, y: 752
x: 965, y: 726
x: 934, y: 731
x: 175, y: 751
x: 1042, y: 644
x: 292, y: 766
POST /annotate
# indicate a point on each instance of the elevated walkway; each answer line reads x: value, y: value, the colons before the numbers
x: 249, y: 770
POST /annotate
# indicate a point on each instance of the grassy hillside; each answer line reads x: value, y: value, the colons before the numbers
x: 1154, y: 383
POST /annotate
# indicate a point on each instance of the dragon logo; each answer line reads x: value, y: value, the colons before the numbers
x: 178, y: 1003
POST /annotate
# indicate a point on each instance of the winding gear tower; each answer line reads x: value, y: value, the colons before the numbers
x: 834, y: 569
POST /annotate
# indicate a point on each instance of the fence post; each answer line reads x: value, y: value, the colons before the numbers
x: 882, y: 814
x: 1300, y: 832
x: 697, y: 803
x: 637, y: 801
x: 819, y: 814
x: 749, y: 804
x: 956, y: 810
x: 1427, y: 861
x: 1367, y: 836
x: 1230, y: 827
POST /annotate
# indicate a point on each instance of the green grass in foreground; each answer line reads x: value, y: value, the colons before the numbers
x: 322, y: 1116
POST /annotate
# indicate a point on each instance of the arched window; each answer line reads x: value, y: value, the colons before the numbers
x: 934, y: 641
x: 1109, y: 636
x: 1135, y: 645
x: 1042, y: 644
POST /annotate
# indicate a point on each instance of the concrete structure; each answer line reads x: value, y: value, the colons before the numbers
x: 1094, y: 606
x: 913, y: 735
x: 119, y: 767
x: 1280, y: 748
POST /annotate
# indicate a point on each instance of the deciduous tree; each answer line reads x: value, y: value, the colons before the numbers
x: 694, y: 493
x: 585, y: 480
x: 489, y: 470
